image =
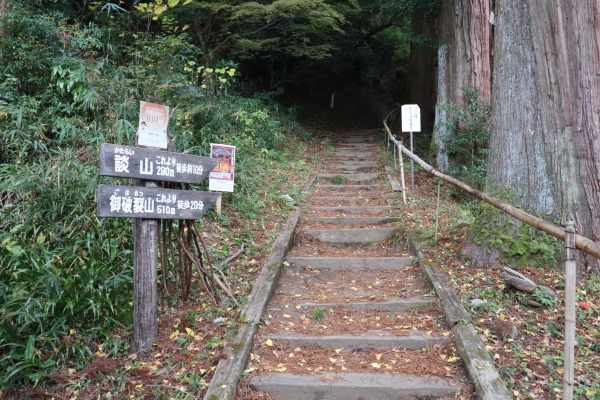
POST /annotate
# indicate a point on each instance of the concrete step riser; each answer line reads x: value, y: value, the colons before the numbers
x: 392, y: 306
x: 350, y: 187
x: 352, y: 235
x: 352, y: 386
x: 352, y: 177
x: 356, y: 343
x: 355, y: 209
x: 345, y: 263
x: 353, y: 220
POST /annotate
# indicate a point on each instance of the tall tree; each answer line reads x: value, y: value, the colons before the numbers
x: 2, y: 10
x: 464, y: 59
x: 545, y: 140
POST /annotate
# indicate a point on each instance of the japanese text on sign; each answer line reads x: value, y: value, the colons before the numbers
x: 411, y: 118
x: 134, y: 162
x: 144, y: 202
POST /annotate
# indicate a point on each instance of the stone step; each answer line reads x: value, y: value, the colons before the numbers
x: 359, y: 139
x: 352, y: 235
x: 353, y: 220
x: 368, y: 341
x: 351, y: 169
x: 345, y: 187
x: 354, y: 153
x: 353, y: 177
x: 342, y: 198
x: 341, y: 158
x: 357, y: 146
x: 351, y: 164
x: 353, y: 386
x: 390, y: 305
x: 353, y: 262
x: 355, y: 209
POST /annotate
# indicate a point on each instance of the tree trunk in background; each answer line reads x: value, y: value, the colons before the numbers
x: 545, y: 140
x: 3, y: 4
x: 422, y: 68
x: 464, y: 59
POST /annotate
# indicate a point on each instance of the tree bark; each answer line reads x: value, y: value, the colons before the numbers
x: 464, y: 59
x: 422, y: 68
x: 545, y: 140
x: 3, y: 6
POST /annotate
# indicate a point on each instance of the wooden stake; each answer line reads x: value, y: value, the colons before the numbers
x: 437, y: 212
x: 571, y: 276
x: 218, y: 205
x: 402, y: 174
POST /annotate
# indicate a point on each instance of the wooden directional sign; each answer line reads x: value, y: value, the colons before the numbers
x: 153, y: 203
x: 135, y: 162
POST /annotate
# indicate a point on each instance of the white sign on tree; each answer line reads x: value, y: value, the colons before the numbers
x: 411, y: 118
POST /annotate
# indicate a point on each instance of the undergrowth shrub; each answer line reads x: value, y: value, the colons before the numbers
x: 468, y: 145
x: 65, y: 88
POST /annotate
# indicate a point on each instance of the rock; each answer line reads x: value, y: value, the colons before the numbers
x: 289, y: 199
x: 514, y: 333
x: 478, y: 303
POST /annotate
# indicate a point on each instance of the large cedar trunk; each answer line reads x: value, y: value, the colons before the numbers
x: 545, y: 141
x: 464, y: 59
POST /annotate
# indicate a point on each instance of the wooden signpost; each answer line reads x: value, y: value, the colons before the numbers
x: 147, y: 203
x: 156, y: 165
x: 152, y: 203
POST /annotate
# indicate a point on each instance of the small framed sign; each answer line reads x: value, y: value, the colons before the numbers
x: 152, y: 130
x: 221, y: 178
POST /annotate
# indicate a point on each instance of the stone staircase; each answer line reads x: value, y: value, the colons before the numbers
x: 352, y: 317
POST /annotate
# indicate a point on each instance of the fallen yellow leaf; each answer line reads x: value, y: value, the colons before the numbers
x: 189, y: 332
x: 378, y: 356
x: 269, y: 342
x: 375, y: 365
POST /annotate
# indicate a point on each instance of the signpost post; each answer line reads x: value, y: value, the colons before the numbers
x: 411, y: 122
x: 147, y: 203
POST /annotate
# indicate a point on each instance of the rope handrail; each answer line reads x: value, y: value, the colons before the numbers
x: 582, y: 243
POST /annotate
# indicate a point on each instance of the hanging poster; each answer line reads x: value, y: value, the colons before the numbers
x: 221, y: 177
x: 152, y: 130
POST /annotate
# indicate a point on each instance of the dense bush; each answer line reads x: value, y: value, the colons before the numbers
x: 67, y: 86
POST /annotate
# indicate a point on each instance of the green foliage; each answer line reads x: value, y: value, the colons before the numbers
x: 318, y: 314
x: 468, y: 145
x: 519, y: 243
x: 338, y: 180
x: 69, y: 82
